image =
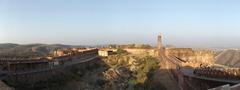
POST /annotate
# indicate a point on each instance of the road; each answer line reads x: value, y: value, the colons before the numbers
x: 164, y: 75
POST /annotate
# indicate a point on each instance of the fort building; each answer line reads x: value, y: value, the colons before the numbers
x: 105, y: 53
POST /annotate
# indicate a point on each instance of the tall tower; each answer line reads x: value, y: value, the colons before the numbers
x: 159, y: 42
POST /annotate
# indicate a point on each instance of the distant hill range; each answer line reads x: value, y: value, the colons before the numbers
x: 230, y: 57
x: 30, y: 50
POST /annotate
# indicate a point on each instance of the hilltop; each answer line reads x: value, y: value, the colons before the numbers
x: 230, y: 57
x: 30, y: 50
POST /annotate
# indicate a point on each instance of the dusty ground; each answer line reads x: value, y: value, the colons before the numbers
x: 165, y: 77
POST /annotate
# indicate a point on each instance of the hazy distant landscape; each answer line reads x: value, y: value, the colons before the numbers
x: 34, y: 50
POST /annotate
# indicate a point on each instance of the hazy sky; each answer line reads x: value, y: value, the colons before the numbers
x: 196, y: 23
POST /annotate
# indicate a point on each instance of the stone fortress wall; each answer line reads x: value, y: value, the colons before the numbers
x: 192, y: 57
x: 151, y: 52
x: 41, y: 69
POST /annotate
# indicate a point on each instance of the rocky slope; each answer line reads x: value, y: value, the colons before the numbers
x: 129, y: 72
x: 118, y: 72
x: 229, y: 58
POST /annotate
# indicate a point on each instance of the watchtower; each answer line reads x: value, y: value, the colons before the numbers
x: 159, y: 42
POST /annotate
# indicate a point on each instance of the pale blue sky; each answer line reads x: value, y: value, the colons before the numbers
x: 195, y: 23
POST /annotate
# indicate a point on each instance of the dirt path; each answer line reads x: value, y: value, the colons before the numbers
x: 165, y: 77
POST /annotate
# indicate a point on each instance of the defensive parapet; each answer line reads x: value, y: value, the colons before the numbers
x: 192, y: 57
x: 40, y: 69
x: 218, y: 72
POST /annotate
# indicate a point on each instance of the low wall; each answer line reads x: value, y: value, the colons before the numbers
x: 151, y: 52
x: 49, y: 73
x: 32, y: 71
x: 227, y: 87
